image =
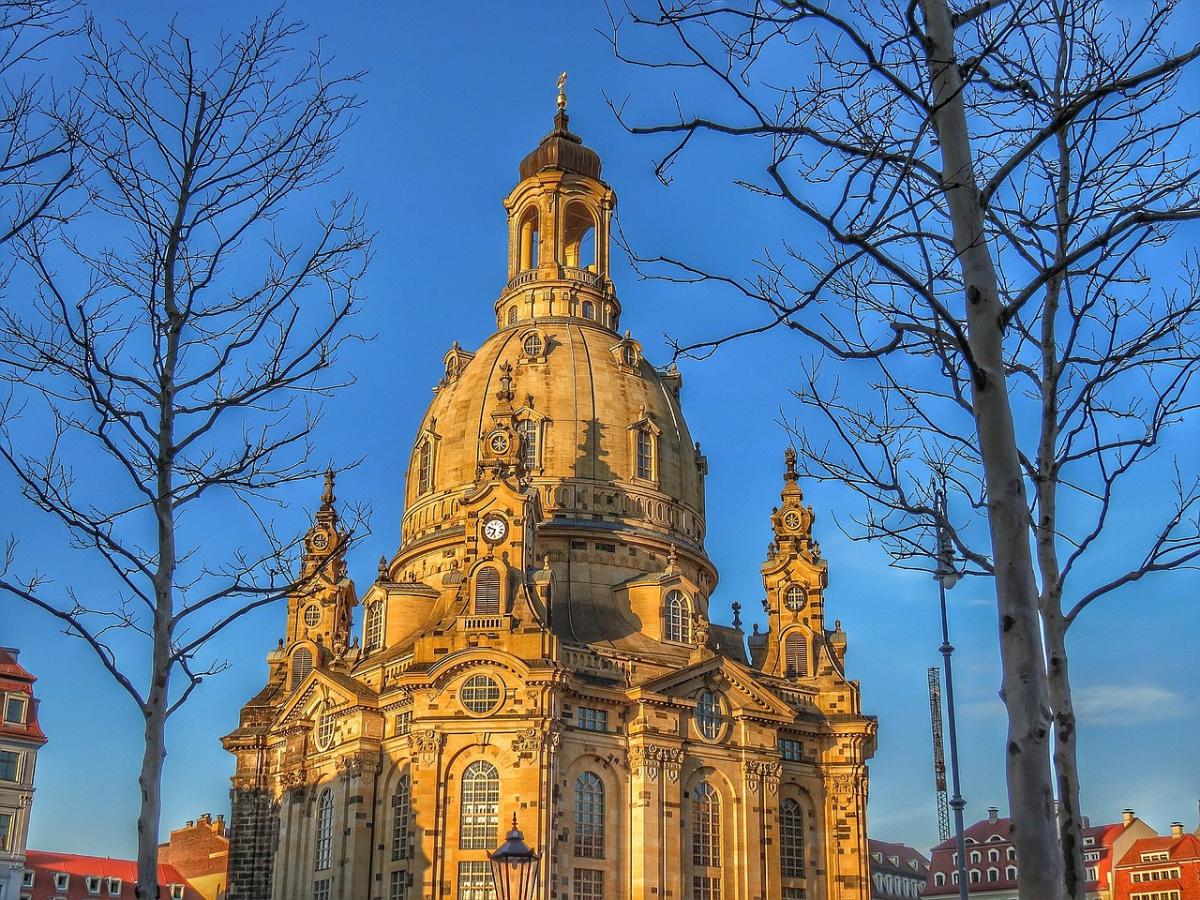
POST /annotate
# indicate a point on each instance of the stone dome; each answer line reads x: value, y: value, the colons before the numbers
x: 587, y: 394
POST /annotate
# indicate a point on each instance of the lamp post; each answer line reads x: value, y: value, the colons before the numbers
x: 946, y: 577
x: 516, y: 872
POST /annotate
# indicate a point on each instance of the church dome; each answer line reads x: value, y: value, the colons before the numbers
x: 601, y: 435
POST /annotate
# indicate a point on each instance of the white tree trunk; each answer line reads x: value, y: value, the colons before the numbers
x: 1025, y: 691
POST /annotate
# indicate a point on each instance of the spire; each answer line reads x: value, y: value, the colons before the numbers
x: 791, y: 486
x: 326, y: 515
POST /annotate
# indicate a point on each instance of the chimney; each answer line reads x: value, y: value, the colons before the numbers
x: 1087, y: 822
x: 1127, y: 817
x: 1176, y: 829
x: 993, y: 815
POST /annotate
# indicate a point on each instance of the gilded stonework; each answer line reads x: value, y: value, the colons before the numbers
x: 541, y: 643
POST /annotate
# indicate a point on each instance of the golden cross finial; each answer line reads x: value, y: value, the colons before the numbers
x: 562, y: 90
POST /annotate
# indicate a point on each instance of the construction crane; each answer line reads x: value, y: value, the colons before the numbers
x: 939, y: 758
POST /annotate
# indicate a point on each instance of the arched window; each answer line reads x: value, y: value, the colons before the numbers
x: 579, y: 237
x: 512, y: 315
x: 974, y: 873
x: 1010, y: 873
x: 479, y: 811
x: 302, y: 663
x: 645, y: 454
x: 529, y: 240
x: 589, y: 816
x: 795, y: 649
x: 993, y: 874
x: 791, y: 839
x: 401, y: 814
x: 487, y: 592
x: 373, y: 637
x: 528, y: 430
x: 993, y: 855
x: 677, y: 618
x: 589, y: 309
x: 323, y: 857
x: 425, y: 467
x: 706, y: 826
x: 976, y: 856
x: 939, y: 878
x: 708, y: 715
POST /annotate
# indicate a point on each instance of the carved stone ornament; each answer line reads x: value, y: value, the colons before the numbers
x: 762, y: 772
x: 842, y: 784
x: 652, y: 759
x: 291, y: 779
x: 425, y: 745
x: 532, y: 739
x: 355, y: 765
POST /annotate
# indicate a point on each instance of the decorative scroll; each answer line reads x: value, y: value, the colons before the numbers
x: 355, y: 765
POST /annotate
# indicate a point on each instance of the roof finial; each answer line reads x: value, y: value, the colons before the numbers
x: 789, y: 460
x: 327, y: 494
x: 561, y: 99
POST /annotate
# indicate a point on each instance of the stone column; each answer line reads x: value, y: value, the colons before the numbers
x: 428, y: 827
x: 357, y: 775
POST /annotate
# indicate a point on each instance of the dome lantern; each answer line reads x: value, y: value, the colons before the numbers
x: 559, y: 218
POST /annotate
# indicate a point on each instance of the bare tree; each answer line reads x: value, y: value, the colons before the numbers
x: 182, y: 337
x: 986, y: 184
x: 37, y: 135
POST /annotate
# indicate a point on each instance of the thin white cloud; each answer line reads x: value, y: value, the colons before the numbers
x: 1127, y: 704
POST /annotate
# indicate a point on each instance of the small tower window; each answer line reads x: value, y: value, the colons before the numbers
x: 487, y: 591
x: 529, y: 240
x: 528, y: 430
x: 795, y: 597
x: 533, y: 345
x: 302, y: 663
x: 512, y: 315
x: 796, y: 655
x: 588, y: 309
x: 677, y: 618
x: 425, y: 467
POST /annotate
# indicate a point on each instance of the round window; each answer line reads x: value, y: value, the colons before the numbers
x: 480, y: 694
x: 708, y: 715
x: 533, y: 344
x: 325, y: 731
x: 312, y: 615
x: 795, y: 597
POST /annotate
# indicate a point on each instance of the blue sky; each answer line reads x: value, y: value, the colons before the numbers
x: 452, y: 103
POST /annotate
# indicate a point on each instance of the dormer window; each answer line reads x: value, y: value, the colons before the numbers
x: 302, y: 663
x: 487, y: 591
x: 629, y: 356
x: 528, y: 430
x: 176, y: 892
x: 645, y: 455
x: 425, y: 467
x: 93, y: 885
x: 14, y: 710
x: 62, y: 881
x: 677, y: 618
x: 114, y: 887
x: 373, y: 632
x: 795, y: 653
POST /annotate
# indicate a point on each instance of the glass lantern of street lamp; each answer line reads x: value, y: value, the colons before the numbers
x: 515, y: 870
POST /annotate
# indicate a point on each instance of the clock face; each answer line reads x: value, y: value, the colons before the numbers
x: 499, y: 442
x: 320, y: 540
x: 792, y: 520
x: 494, y: 529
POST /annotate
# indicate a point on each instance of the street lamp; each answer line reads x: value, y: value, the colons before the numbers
x: 947, y: 576
x: 515, y: 869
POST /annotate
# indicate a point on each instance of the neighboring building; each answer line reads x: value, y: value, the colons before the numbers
x: 1159, y: 868
x: 200, y: 852
x: 20, y: 739
x: 540, y: 643
x: 992, y: 864
x: 68, y: 876
x: 898, y: 871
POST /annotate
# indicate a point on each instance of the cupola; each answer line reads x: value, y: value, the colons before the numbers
x: 559, y: 218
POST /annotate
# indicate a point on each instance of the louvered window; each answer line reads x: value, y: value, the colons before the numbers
x: 796, y: 655
x: 487, y: 591
x: 301, y: 665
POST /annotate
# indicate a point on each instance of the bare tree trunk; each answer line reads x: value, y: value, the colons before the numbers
x: 1025, y: 691
x: 1066, y: 763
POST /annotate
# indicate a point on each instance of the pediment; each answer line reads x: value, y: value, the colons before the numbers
x: 322, y: 688
x: 743, y: 692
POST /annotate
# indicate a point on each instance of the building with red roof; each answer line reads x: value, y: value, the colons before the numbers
x: 897, y: 871
x: 1159, y: 868
x: 20, y: 739
x: 51, y: 876
x: 992, y: 865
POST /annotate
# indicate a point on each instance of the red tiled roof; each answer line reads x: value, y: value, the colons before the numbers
x: 45, y: 864
x: 1184, y: 847
x: 16, y: 679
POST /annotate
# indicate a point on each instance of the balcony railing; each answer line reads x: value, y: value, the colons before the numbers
x: 567, y: 273
x: 483, y: 623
